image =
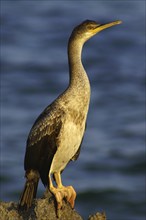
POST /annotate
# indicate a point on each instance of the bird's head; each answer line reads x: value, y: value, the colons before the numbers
x: 88, y: 28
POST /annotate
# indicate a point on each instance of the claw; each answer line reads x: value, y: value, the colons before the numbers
x: 58, y: 196
x: 73, y: 197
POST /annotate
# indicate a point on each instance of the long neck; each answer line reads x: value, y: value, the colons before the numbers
x: 78, y: 76
x: 77, y: 94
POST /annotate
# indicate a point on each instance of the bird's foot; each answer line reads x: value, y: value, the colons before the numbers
x: 62, y: 192
x: 71, y: 195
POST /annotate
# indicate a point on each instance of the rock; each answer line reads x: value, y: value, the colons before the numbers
x: 43, y: 209
x: 97, y: 216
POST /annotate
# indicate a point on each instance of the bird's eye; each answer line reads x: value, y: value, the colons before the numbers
x: 95, y: 26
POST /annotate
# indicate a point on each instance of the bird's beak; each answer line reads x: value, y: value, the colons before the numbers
x: 104, y: 26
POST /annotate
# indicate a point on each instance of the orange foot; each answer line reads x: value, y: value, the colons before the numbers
x: 62, y: 192
x: 71, y: 195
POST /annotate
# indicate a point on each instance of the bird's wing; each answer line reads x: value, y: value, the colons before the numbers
x: 47, y: 124
x: 42, y: 141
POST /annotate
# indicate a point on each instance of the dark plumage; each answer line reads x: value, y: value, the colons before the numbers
x: 42, y: 142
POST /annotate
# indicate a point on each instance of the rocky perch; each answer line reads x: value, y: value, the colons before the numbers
x: 43, y: 209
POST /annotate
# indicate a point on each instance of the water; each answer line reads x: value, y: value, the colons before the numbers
x: 110, y: 172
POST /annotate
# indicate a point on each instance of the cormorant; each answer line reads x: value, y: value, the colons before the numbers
x: 56, y: 136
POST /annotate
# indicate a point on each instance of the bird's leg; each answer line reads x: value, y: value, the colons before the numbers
x: 61, y: 191
x: 67, y: 191
x: 57, y: 193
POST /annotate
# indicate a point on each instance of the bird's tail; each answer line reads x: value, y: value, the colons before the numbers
x: 30, y: 189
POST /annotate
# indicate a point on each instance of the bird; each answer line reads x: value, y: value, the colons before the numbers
x: 56, y: 136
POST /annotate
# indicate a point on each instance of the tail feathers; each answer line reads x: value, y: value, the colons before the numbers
x: 29, y: 192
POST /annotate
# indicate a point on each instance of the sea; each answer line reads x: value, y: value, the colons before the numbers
x: 109, y: 175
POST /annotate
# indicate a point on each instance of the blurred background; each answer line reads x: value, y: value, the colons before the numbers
x: 110, y: 172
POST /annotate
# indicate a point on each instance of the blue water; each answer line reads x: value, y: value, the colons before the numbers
x: 110, y: 172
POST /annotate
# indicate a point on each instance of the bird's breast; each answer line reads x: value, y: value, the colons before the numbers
x: 69, y: 141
